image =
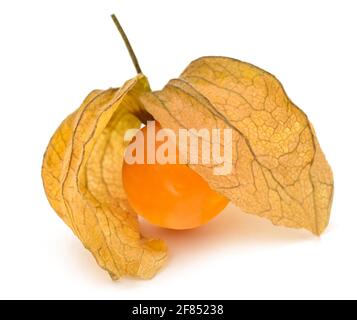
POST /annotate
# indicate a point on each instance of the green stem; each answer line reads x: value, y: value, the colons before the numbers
x: 127, y: 44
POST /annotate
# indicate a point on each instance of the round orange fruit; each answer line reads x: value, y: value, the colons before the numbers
x: 169, y: 195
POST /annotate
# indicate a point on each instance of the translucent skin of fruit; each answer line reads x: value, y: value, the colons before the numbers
x: 171, y: 195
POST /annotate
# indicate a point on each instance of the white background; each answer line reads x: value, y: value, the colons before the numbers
x: 52, y: 53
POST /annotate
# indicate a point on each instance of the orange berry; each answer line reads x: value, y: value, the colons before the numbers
x: 170, y: 195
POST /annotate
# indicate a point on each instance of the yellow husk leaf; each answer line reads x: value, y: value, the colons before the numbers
x: 82, y: 179
x: 279, y: 172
